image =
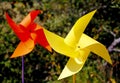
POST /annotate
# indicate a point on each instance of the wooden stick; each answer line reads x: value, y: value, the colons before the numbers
x: 74, y: 78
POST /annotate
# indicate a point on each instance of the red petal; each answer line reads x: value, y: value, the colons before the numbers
x: 42, y: 40
x: 33, y: 14
x: 23, y: 48
x: 20, y: 31
x: 29, y: 18
x: 13, y: 25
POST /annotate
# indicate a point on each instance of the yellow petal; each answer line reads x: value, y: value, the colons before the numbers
x: 94, y: 46
x: 112, y: 80
x: 73, y: 66
x: 58, y: 44
x: 74, y: 35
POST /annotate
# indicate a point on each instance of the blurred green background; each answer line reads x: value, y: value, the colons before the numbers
x: 59, y: 16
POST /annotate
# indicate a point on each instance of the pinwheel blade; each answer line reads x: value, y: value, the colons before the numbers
x: 18, y: 30
x: 75, y: 33
x: 29, y: 18
x: 74, y: 65
x: 94, y: 46
x: 23, y: 48
x: 41, y: 38
x: 13, y: 25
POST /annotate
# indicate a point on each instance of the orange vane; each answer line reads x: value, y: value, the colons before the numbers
x: 29, y: 33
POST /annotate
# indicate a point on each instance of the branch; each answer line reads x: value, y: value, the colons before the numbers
x: 112, y: 33
x: 116, y: 50
x: 114, y: 43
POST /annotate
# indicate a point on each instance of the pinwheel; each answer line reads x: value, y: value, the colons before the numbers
x: 77, y: 46
x: 29, y: 33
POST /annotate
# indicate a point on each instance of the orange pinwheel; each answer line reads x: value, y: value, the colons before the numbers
x: 29, y: 33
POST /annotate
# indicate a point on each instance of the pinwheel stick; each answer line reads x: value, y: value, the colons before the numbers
x: 22, y: 69
x: 74, y: 78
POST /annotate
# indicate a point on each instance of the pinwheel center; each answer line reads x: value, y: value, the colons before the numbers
x: 30, y: 31
x: 31, y: 28
x: 78, y: 46
x: 33, y: 35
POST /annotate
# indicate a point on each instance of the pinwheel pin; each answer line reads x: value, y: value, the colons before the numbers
x: 77, y: 46
x: 29, y: 33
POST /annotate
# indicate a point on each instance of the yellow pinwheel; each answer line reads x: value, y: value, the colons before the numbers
x: 77, y: 46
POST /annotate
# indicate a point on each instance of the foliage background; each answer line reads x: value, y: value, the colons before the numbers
x: 59, y: 16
